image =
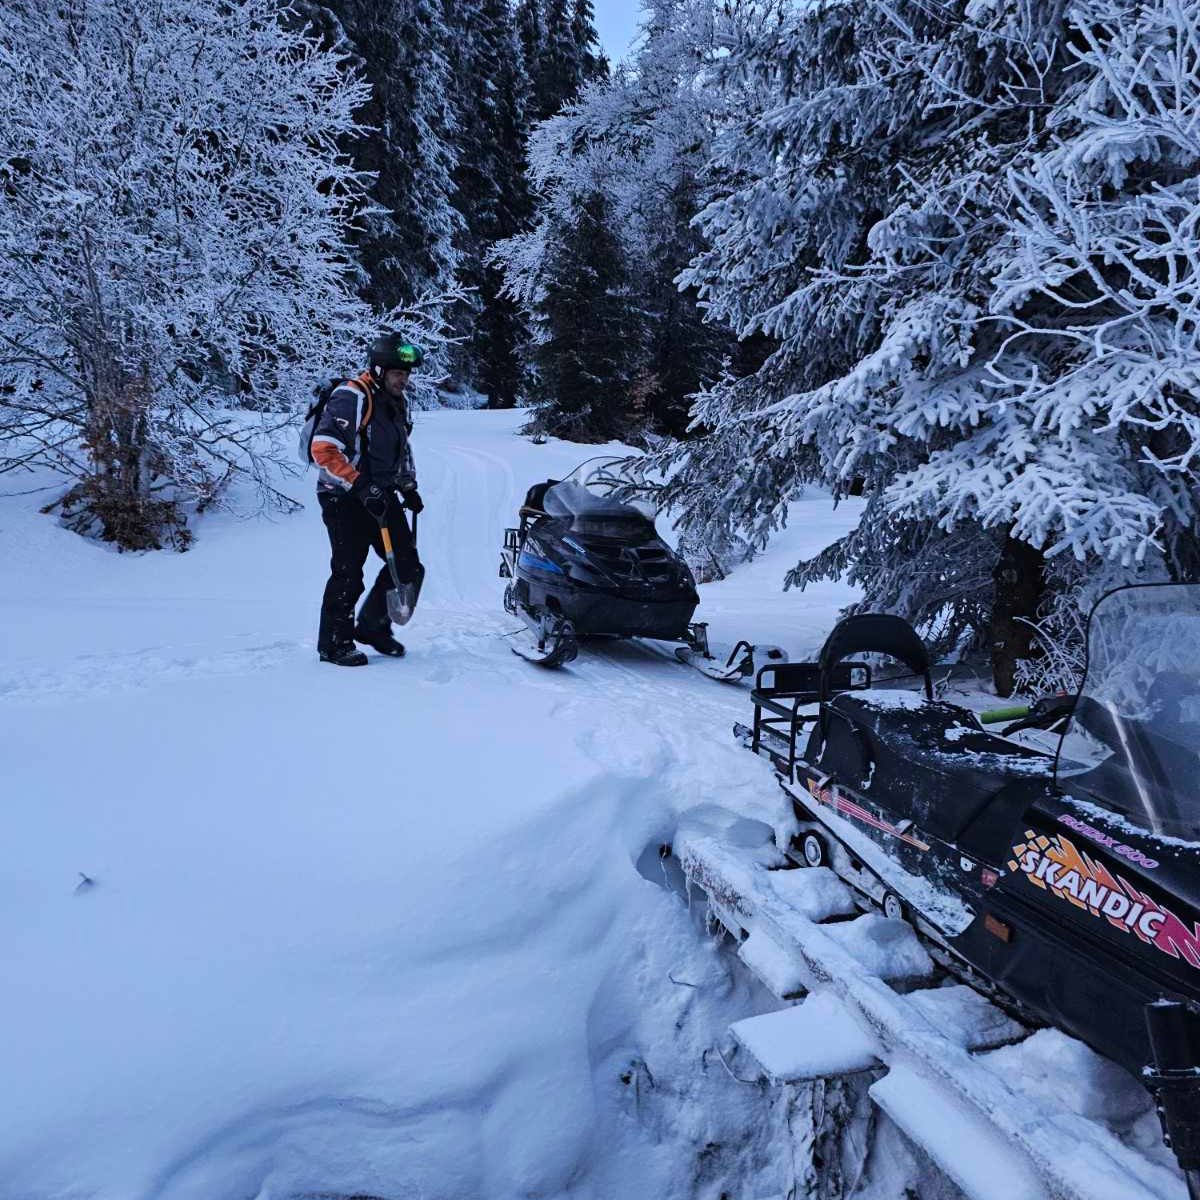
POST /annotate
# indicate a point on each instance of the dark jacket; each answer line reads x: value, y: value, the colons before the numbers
x: 360, y: 407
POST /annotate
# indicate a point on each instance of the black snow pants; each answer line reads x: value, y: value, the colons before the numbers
x: 353, y: 533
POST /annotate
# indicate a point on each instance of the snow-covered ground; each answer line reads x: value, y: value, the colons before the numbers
x: 377, y: 932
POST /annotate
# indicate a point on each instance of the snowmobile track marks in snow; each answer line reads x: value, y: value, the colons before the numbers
x: 1039, y: 1153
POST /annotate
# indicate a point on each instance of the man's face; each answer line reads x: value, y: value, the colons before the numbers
x: 395, y: 380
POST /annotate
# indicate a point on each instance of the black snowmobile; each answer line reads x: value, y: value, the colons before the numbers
x: 1066, y: 883
x: 586, y: 560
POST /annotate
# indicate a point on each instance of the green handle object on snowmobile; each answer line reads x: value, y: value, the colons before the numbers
x: 1015, y: 713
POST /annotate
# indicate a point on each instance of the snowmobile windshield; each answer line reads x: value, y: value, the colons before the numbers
x: 1132, y: 745
x: 602, y: 499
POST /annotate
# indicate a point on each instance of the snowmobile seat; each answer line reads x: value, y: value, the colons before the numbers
x: 923, y: 760
x: 874, y: 633
x: 535, y: 499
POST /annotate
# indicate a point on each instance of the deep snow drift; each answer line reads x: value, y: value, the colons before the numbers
x: 375, y: 932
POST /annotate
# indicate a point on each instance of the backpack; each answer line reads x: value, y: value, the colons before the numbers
x: 312, y: 418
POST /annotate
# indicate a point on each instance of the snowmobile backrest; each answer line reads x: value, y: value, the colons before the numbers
x: 873, y: 633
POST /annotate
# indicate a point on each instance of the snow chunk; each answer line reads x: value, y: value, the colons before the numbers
x: 814, y: 892
x: 966, y: 1017
x: 891, y: 698
x: 957, y: 732
x: 888, y: 949
x: 818, y: 1039
x: 774, y: 965
x: 1066, y: 1074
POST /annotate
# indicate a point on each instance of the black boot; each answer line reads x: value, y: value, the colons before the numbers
x: 379, y: 638
x: 343, y: 656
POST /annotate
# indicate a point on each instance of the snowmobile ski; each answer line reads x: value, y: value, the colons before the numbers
x: 742, y: 662
x: 548, y: 640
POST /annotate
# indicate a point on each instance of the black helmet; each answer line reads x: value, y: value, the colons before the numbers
x: 393, y: 352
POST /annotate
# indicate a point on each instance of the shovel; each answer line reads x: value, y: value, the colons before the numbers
x: 402, y: 597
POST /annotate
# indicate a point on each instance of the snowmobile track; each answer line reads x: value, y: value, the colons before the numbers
x: 988, y: 1136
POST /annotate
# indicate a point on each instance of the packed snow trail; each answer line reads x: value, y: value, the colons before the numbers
x: 374, y: 931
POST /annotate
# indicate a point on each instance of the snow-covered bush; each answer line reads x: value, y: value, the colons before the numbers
x: 173, y: 212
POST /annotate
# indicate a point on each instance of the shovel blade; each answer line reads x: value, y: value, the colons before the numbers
x: 400, y: 603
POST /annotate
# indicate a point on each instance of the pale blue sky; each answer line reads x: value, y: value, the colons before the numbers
x: 616, y: 23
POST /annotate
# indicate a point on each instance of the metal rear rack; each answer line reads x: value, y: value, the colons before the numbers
x: 781, y: 691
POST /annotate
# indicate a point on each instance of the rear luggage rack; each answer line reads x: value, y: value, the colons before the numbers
x: 781, y: 690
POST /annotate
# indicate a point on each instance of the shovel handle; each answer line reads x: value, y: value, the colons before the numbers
x: 387, y: 538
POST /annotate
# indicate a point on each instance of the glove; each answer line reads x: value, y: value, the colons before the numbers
x: 412, y: 501
x: 371, y: 496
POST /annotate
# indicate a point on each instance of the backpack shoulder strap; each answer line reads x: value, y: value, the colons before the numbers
x: 365, y: 385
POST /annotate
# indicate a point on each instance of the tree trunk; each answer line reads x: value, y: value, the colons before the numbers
x: 1018, y: 581
x: 115, y: 495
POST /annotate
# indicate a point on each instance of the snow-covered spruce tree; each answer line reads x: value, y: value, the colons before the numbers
x: 641, y: 140
x: 1097, y: 293
x: 172, y: 221
x: 491, y: 192
x: 664, y: 114
x: 566, y: 58
x: 588, y: 339
x: 406, y: 235
x: 566, y: 263
x: 572, y: 276
x: 594, y: 66
x: 531, y: 35
x: 867, y: 230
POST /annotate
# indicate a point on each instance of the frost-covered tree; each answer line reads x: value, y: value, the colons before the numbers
x: 1097, y: 294
x: 567, y: 262
x: 491, y: 192
x: 407, y: 233
x: 640, y: 140
x: 173, y: 211
x: 865, y: 202
x: 587, y: 347
x: 665, y: 113
x: 889, y: 220
x: 573, y: 276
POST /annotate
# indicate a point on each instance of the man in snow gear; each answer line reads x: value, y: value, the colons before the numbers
x: 367, y: 474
